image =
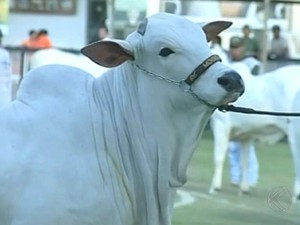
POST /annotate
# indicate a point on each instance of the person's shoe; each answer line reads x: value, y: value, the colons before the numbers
x: 235, y: 183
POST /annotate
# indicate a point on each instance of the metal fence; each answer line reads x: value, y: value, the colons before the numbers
x: 20, y: 57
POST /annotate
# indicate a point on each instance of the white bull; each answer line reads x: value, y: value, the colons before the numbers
x: 113, y: 150
x: 273, y: 91
x: 295, y: 143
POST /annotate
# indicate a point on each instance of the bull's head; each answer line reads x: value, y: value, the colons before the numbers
x: 174, y: 49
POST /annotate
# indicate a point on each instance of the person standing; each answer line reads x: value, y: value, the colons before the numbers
x: 43, y: 40
x: 30, y: 42
x: 279, y: 46
x: 237, y: 54
x: 102, y: 33
x: 251, y: 46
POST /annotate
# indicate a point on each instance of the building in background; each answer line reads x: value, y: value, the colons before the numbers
x: 71, y: 23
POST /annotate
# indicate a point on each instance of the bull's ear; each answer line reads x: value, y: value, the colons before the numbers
x: 108, y: 53
x: 214, y: 28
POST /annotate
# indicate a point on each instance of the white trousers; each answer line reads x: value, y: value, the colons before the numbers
x: 234, y: 155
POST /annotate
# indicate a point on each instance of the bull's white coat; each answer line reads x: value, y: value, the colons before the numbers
x: 77, y: 150
x: 273, y: 91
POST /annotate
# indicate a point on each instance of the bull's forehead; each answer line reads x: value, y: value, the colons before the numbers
x: 172, y: 31
x: 173, y: 26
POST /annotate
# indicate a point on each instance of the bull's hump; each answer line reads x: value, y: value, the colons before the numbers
x: 54, y: 81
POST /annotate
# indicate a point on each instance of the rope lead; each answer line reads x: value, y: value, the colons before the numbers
x: 232, y: 108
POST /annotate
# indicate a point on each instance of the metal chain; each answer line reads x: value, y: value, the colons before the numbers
x: 181, y: 84
x: 159, y: 77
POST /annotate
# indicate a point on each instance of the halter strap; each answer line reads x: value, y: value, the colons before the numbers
x: 185, y: 85
x: 201, y: 69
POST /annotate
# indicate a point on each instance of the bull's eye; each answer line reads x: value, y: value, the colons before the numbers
x: 164, y: 52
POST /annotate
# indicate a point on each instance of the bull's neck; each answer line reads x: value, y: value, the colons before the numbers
x: 157, y: 138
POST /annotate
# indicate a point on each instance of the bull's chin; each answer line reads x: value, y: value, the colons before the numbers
x: 232, y: 97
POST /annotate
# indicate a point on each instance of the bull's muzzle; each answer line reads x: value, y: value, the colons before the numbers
x: 232, y: 82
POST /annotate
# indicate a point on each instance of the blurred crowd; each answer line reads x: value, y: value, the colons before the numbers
x: 246, y: 45
x: 37, y: 39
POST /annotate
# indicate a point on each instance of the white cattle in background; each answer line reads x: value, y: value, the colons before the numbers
x: 295, y: 142
x: 113, y: 150
x: 273, y: 91
x: 56, y: 56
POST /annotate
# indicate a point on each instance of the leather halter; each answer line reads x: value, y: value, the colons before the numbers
x: 202, y: 68
x: 185, y: 85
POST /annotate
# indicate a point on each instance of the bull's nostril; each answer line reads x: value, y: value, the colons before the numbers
x: 223, y: 81
x: 231, y: 81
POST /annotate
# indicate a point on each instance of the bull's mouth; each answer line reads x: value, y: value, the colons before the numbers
x: 231, y: 97
x: 235, y: 93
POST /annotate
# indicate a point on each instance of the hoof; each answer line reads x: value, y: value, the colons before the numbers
x: 244, y: 192
x: 213, y: 191
x: 245, y: 189
x: 235, y: 184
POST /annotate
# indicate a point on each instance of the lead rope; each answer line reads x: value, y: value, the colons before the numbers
x: 232, y: 108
